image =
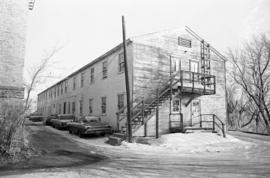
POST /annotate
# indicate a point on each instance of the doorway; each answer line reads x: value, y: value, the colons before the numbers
x: 195, y: 111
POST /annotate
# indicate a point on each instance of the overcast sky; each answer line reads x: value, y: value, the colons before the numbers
x: 88, y: 28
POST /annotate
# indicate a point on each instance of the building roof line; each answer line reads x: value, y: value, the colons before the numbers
x: 100, y: 58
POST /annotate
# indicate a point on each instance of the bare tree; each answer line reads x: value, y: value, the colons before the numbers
x: 251, y: 71
x: 11, y: 127
x: 37, y: 76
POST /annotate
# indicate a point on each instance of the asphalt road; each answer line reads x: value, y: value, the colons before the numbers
x: 64, y: 157
x: 56, y: 151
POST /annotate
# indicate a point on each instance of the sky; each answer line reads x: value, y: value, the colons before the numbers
x: 86, y: 29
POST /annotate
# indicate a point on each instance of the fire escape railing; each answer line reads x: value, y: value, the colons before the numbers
x: 183, y: 79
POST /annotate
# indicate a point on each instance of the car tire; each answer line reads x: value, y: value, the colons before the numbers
x: 80, y: 134
x: 70, y: 131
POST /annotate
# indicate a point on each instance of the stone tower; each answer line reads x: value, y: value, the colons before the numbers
x: 13, y: 21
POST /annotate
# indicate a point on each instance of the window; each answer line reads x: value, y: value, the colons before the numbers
x: 74, y: 83
x: 61, y: 88
x: 103, y: 105
x: 175, y: 64
x: 81, y: 107
x: 121, y: 63
x: 176, y: 105
x: 105, y: 69
x: 54, y: 92
x: 73, y: 107
x: 120, y: 103
x: 60, y: 108
x: 64, y: 108
x: 66, y: 83
x: 68, y: 108
x: 184, y: 42
x: 82, y: 79
x: 92, y: 73
x: 91, y: 106
x: 57, y: 90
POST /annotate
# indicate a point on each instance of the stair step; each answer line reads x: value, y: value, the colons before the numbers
x: 115, y: 141
x: 119, y: 135
x: 198, y: 128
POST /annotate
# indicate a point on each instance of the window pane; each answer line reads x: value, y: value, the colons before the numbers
x: 103, y: 105
x: 104, y: 69
x: 90, y: 106
x: 92, y: 75
x: 121, y: 62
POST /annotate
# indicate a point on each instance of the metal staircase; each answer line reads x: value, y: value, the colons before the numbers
x: 182, y: 82
x: 142, y: 111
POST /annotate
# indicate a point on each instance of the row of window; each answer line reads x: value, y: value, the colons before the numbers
x: 70, y: 107
x: 63, y: 87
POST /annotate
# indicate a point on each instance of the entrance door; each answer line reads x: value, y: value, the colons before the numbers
x: 194, y: 66
x: 195, y: 111
x: 175, y: 64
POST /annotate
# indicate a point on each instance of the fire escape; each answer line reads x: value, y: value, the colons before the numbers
x: 188, y: 83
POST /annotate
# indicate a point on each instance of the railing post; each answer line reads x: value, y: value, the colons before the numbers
x: 118, y: 120
x: 182, y: 122
x: 223, y: 130
x: 181, y: 79
x: 215, y: 84
x: 204, y: 83
x: 200, y: 121
x: 213, y: 122
x: 142, y: 111
x: 192, y: 81
x: 157, y: 114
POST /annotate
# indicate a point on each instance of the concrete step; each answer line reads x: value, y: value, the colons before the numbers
x: 192, y: 129
x: 115, y: 141
x: 120, y: 135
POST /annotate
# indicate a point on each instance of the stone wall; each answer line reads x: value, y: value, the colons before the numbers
x: 13, y: 15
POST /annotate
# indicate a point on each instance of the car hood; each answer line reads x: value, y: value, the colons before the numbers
x: 66, y: 120
x: 96, y: 124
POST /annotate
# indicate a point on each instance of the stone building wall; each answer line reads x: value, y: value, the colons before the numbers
x: 13, y: 16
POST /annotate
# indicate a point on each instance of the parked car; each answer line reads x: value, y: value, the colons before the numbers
x: 89, y: 125
x: 48, y: 120
x: 36, y: 118
x: 61, y: 121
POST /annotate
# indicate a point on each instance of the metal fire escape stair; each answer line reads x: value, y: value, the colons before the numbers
x: 145, y: 108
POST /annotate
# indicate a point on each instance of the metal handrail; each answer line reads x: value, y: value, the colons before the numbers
x: 215, y: 118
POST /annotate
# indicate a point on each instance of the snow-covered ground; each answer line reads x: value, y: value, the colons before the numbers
x: 189, y: 143
x: 197, y: 142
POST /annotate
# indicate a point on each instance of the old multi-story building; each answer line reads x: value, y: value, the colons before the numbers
x: 13, y: 15
x: 172, y: 68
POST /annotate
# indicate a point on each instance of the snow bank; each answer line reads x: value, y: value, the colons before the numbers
x: 189, y: 143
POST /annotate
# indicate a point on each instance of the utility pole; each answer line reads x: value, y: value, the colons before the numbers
x: 157, y: 114
x: 129, y: 129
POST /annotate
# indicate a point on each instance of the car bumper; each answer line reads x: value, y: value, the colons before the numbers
x: 97, y: 131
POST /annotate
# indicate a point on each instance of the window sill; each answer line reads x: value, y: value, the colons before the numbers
x: 104, y: 114
x: 121, y: 72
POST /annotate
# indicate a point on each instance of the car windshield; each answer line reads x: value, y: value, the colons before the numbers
x: 90, y: 119
x: 66, y: 117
